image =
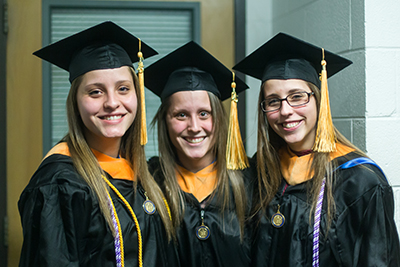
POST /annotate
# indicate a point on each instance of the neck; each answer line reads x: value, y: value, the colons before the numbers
x: 195, y: 165
x: 302, y: 153
x: 107, y: 146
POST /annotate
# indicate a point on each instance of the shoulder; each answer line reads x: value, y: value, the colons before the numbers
x: 153, y: 164
x: 155, y: 170
x: 358, y: 180
x: 56, y: 169
x: 250, y: 173
x: 56, y: 185
x: 357, y: 168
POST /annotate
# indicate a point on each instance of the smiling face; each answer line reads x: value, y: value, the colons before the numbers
x: 107, y: 104
x: 295, y: 125
x: 190, y: 127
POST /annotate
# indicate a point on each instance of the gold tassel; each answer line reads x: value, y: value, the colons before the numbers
x: 325, y: 139
x: 236, y: 157
x: 143, y: 131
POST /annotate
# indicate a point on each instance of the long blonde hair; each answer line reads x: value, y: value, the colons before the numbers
x: 225, y: 178
x: 268, y: 163
x: 88, y: 167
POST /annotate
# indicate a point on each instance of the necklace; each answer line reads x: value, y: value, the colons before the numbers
x: 202, y: 232
x: 148, y: 205
x: 118, y: 240
x: 278, y: 220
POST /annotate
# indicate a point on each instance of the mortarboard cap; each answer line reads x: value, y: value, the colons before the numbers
x: 286, y: 57
x: 104, y: 46
x: 190, y: 68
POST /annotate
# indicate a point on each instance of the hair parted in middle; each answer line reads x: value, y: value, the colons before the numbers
x: 225, y: 178
x: 87, y: 166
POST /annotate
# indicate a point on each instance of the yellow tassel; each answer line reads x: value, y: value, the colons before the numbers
x: 143, y: 132
x: 236, y: 157
x: 325, y: 139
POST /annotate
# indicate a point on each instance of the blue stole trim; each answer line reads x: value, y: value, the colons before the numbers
x: 359, y: 161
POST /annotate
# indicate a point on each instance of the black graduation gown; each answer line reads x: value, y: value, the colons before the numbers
x: 63, y: 225
x: 363, y: 231
x: 223, y: 247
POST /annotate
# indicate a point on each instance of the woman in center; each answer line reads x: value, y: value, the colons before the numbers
x: 210, y: 201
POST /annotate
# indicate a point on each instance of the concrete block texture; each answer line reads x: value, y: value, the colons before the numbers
x: 382, y: 147
x: 324, y: 23
x: 285, y: 8
x: 382, y: 82
x: 347, y: 88
x: 353, y: 130
x: 345, y: 127
x: 382, y: 23
x: 251, y: 115
x: 357, y: 25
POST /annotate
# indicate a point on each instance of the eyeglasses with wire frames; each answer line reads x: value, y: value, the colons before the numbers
x: 294, y: 100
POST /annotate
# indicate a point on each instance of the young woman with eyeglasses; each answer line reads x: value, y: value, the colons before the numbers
x: 322, y: 201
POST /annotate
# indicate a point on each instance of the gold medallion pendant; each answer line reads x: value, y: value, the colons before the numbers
x: 148, y: 206
x: 202, y: 232
x: 278, y: 220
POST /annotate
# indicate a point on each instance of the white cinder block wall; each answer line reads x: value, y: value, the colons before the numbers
x: 382, y: 53
x: 365, y: 97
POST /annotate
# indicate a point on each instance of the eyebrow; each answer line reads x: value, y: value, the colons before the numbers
x: 294, y: 90
x: 187, y: 110
x: 100, y: 84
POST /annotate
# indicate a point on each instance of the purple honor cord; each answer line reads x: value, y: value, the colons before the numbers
x: 117, y: 241
x: 317, y: 223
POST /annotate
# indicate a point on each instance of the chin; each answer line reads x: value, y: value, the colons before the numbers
x: 195, y: 156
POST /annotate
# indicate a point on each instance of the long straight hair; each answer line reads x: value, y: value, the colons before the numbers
x: 268, y: 163
x: 88, y: 167
x: 226, y: 179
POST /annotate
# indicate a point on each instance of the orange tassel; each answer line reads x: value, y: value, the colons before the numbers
x: 143, y: 131
x: 236, y: 157
x: 325, y: 139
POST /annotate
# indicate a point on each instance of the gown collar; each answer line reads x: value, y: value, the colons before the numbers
x: 200, y: 184
x: 297, y: 169
x: 118, y: 168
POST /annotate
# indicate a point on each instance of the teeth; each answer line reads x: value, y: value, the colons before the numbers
x: 195, y: 140
x: 290, y: 124
x: 110, y: 118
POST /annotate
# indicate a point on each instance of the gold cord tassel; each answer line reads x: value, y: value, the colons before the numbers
x: 143, y: 131
x: 236, y: 157
x: 325, y: 139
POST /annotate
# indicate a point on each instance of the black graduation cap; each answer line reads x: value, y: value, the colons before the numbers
x: 286, y: 57
x: 190, y: 68
x: 104, y: 46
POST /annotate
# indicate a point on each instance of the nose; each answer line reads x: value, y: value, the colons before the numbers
x: 285, y: 109
x: 111, y: 101
x: 194, y: 124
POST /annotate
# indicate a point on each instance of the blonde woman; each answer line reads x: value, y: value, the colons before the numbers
x: 323, y: 201
x: 92, y: 201
x: 210, y: 202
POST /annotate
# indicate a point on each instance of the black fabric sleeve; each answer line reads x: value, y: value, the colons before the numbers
x: 366, y: 230
x: 55, y: 218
